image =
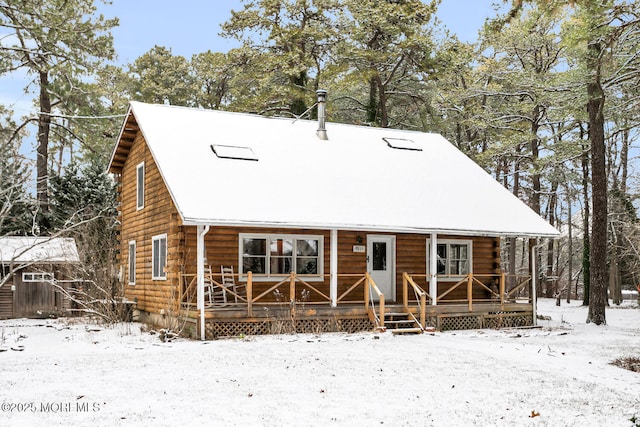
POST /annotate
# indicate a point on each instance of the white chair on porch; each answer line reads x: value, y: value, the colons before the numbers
x: 213, y: 295
x: 229, y: 282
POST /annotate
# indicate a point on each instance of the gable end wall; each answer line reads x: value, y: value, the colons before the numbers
x: 159, y: 216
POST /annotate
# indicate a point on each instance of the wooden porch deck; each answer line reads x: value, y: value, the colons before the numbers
x: 359, y: 306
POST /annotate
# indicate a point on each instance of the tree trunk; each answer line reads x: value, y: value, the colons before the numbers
x: 299, y: 83
x: 372, y: 105
x: 598, y: 274
x: 586, y: 241
x: 615, y: 289
x: 552, y: 284
x: 533, y: 273
x: 535, y: 154
x: 512, y: 240
x: 570, y: 236
x: 42, y: 159
x: 382, y: 104
x: 624, y: 161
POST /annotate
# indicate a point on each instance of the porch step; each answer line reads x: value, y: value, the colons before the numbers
x: 401, y: 323
x: 405, y: 331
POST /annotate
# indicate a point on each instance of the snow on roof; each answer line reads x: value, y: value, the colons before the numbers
x: 356, y: 180
x: 38, y: 249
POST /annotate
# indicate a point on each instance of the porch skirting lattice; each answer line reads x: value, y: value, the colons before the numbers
x: 490, y: 321
x: 225, y: 328
x: 232, y: 328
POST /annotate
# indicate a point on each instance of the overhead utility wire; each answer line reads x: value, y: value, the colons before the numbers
x: 65, y: 116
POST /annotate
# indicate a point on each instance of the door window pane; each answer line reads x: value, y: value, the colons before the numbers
x: 379, y: 256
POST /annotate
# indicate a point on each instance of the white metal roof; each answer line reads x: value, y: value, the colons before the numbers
x: 354, y: 181
x: 38, y: 249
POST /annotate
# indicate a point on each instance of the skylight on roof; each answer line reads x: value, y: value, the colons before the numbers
x: 234, y: 152
x: 402, y: 144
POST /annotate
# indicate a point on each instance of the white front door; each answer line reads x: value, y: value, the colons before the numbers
x: 381, y: 256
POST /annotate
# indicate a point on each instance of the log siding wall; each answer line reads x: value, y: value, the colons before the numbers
x: 158, y: 216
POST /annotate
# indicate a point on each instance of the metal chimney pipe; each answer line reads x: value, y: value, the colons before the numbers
x: 322, y: 114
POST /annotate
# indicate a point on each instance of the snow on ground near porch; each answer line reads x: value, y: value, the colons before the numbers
x: 75, y: 373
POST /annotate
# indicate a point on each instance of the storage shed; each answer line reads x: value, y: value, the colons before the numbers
x: 34, y: 272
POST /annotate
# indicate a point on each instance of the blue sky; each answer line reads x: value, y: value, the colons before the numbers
x: 192, y: 26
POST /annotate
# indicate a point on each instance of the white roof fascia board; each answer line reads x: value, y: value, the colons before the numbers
x: 363, y: 227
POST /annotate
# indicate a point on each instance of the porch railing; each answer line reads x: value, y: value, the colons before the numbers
x: 370, y: 285
x: 296, y: 288
x: 420, y: 298
x: 502, y: 288
x: 292, y: 289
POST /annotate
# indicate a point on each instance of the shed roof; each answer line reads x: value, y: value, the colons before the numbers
x: 356, y: 180
x: 29, y: 249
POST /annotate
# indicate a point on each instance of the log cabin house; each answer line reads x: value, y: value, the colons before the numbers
x: 325, y: 227
x: 35, y: 271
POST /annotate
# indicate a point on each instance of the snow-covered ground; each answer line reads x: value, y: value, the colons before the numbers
x: 66, y: 372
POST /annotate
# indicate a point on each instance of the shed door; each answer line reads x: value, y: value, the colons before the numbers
x: 35, y: 299
x: 381, y: 264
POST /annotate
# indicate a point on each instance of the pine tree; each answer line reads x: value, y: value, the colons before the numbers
x: 53, y: 41
x: 16, y: 205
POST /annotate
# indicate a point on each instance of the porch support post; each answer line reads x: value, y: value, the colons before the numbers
x: 433, y: 269
x: 202, y: 230
x: 333, y: 267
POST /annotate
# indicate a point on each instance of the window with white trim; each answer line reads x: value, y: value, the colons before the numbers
x: 454, y: 257
x: 37, y: 277
x: 140, y: 186
x: 281, y: 254
x: 132, y: 263
x: 159, y: 257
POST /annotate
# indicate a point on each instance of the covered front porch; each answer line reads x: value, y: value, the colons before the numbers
x: 295, y: 304
x: 382, y: 283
